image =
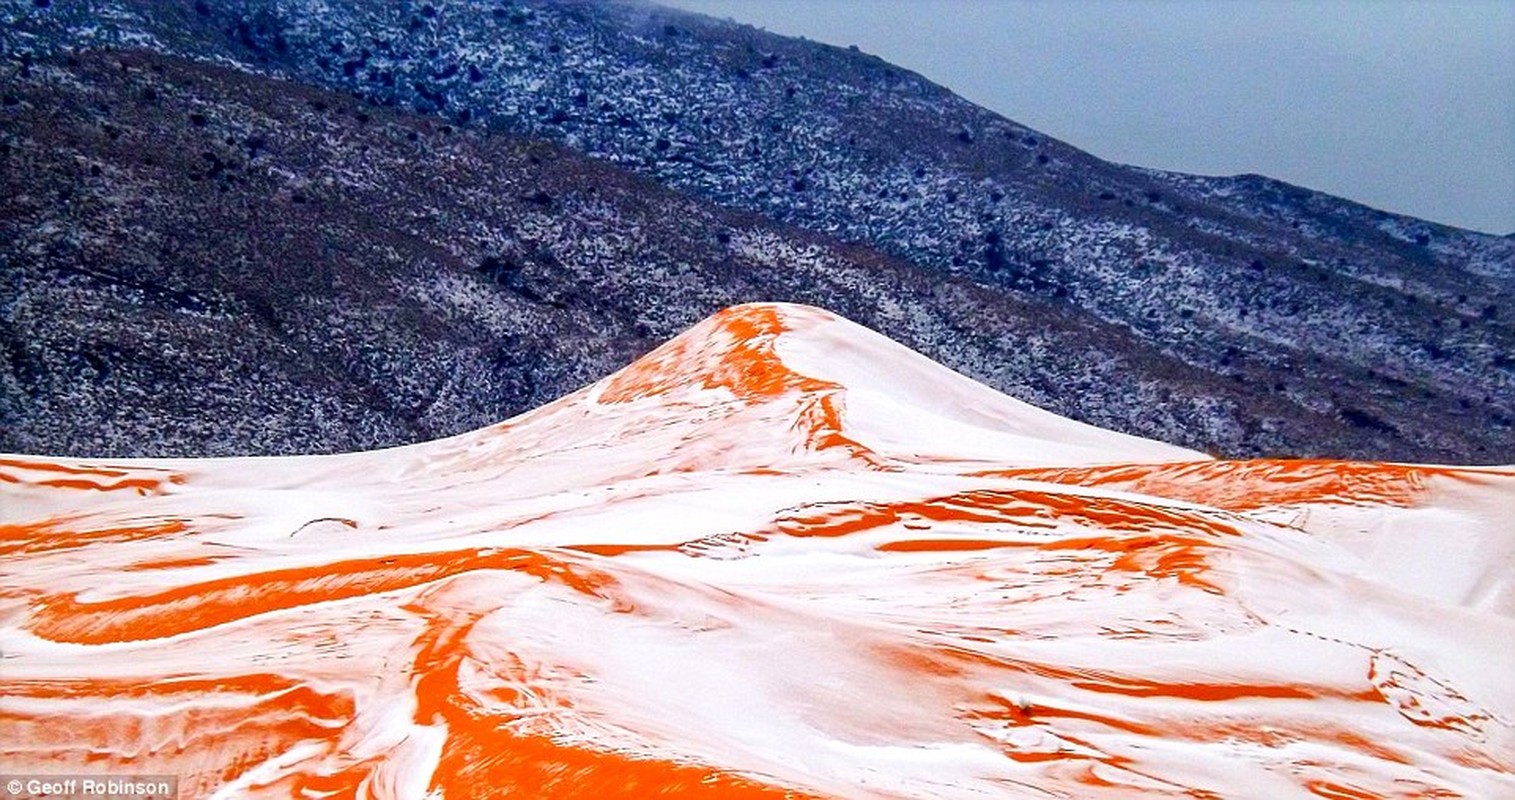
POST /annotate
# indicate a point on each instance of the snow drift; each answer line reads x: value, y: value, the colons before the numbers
x: 780, y: 556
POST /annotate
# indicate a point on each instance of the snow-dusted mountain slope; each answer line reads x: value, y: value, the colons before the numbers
x: 157, y: 149
x: 780, y: 556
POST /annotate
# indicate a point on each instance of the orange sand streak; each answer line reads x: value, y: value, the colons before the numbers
x: 86, y: 478
x: 1015, y: 507
x: 1160, y: 552
x: 483, y: 758
x: 1251, y: 484
x: 740, y: 358
x: 203, y: 605
x: 945, y: 545
x: 173, y: 563
x: 237, y: 722
x: 1206, y: 692
x: 50, y: 535
x: 1336, y: 791
x: 745, y: 363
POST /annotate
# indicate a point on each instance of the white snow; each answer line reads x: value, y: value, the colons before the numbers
x: 693, y: 564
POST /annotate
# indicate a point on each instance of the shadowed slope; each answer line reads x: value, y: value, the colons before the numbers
x: 215, y: 263
x: 1236, y: 315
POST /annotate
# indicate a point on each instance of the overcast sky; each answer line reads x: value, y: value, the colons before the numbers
x: 1406, y: 106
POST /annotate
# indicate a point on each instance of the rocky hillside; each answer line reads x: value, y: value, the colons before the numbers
x: 1239, y: 315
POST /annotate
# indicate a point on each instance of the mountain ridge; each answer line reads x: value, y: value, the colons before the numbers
x: 1391, y: 347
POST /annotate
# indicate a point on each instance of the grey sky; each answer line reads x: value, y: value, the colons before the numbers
x: 1405, y: 106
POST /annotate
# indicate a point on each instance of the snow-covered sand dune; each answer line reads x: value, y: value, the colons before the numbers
x: 779, y: 556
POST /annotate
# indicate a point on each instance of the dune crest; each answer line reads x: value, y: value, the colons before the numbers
x: 779, y: 556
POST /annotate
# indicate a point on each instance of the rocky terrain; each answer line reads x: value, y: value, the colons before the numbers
x: 298, y: 226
